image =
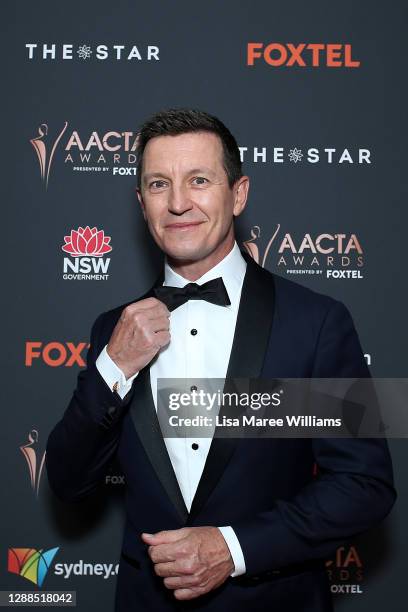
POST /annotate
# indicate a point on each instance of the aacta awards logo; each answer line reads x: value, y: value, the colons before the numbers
x: 87, y: 248
x: 92, y: 152
x: 345, y: 571
x: 35, y: 459
x: 31, y: 563
x: 336, y: 256
x: 45, y: 150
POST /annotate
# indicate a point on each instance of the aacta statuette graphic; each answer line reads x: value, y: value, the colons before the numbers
x: 253, y: 249
x: 45, y: 150
x: 34, y: 462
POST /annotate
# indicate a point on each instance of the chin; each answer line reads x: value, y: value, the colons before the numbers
x: 186, y: 250
x: 184, y: 254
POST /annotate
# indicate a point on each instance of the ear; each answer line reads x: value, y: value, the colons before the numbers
x: 142, y: 206
x: 240, y: 190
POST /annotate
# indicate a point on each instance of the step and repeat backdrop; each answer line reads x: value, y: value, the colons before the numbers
x: 315, y: 94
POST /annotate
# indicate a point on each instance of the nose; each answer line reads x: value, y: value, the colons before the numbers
x: 179, y: 202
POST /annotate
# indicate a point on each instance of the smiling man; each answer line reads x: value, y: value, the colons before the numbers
x: 244, y: 523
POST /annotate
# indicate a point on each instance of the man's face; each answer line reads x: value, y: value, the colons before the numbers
x: 185, y: 195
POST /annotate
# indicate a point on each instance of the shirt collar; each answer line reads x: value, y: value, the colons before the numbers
x: 232, y: 270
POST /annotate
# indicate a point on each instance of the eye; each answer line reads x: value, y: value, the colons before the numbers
x: 159, y: 184
x: 199, y: 180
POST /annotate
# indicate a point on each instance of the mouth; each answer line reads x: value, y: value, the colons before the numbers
x: 182, y: 226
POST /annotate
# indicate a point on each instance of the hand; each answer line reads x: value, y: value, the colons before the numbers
x: 192, y: 560
x: 142, y: 330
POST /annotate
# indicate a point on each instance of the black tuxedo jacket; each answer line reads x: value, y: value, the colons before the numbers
x: 287, y: 520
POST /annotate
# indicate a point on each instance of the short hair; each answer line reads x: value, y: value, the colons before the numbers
x: 176, y: 121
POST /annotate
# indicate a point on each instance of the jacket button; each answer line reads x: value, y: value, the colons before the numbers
x: 112, y: 410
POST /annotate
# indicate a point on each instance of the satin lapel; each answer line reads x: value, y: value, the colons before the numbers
x: 143, y: 413
x: 249, y: 346
x: 144, y: 417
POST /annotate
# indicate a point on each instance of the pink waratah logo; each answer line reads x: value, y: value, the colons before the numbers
x: 87, y: 241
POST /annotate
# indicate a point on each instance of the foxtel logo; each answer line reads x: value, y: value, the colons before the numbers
x: 312, y: 55
x: 55, y: 354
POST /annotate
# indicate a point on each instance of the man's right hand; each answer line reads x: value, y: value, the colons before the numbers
x: 142, y: 330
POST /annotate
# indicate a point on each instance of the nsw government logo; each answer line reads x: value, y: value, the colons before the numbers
x: 87, y: 248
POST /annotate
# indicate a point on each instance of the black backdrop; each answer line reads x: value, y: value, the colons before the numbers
x: 324, y: 146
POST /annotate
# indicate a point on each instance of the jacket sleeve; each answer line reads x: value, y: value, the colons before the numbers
x: 82, y: 445
x: 354, y: 487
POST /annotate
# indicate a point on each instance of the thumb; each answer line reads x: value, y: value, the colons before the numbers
x: 163, y: 537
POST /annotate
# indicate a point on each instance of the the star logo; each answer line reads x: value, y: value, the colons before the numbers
x: 84, y: 52
x: 295, y: 155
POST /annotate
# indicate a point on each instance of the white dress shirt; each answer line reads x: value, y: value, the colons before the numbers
x: 202, y: 355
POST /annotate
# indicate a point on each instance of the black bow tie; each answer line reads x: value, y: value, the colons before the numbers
x: 214, y: 291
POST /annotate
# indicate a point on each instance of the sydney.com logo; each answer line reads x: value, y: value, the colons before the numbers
x: 30, y: 563
x: 33, y: 565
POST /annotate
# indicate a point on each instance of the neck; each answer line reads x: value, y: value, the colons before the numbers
x: 193, y: 269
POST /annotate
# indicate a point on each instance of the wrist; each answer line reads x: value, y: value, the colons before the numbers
x: 127, y: 371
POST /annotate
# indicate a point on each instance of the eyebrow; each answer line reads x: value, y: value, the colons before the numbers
x: 202, y: 170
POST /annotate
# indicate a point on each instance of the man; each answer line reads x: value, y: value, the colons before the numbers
x: 222, y: 522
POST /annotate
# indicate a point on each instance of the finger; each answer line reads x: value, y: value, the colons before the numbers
x: 159, y: 310
x: 165, y: 537
x: 162, y: 338
x: 163, y: 553
x: 146, y: 304
x: 165, y: 570
x: 141, y: 317
x: 173, y: 568
x: 192, y: 593
x: 145, y: 307
x: 139, y: 306
x: 156, y: 310
x: 182, y: 582
x: 159, y: 324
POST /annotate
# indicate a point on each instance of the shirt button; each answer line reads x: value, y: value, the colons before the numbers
x: 194, y: 446
x: 193, y: 388
x: 193, y: 332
